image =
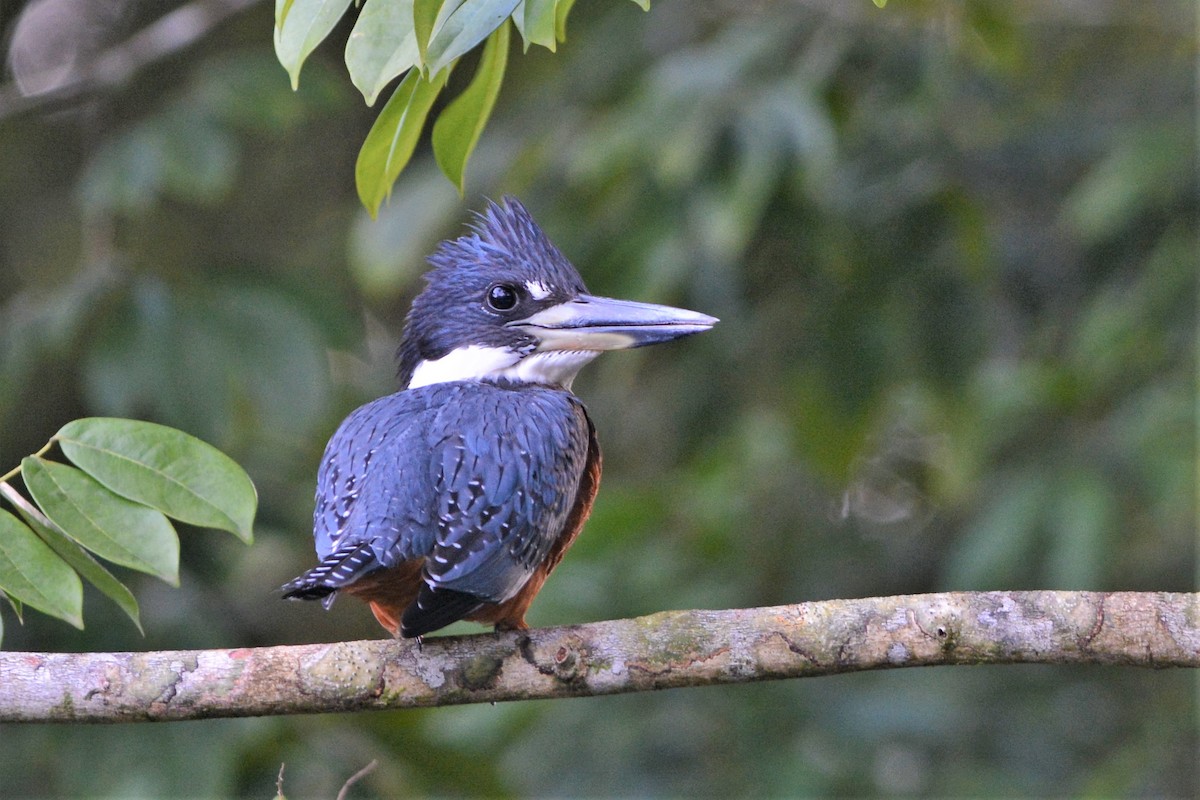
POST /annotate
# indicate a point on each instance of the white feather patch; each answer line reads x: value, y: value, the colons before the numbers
x: 474, y: 363
x: 553, y: 367
x: 470, y: 363
x: 538, y: 290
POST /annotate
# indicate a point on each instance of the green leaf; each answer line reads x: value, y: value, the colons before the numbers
x: 880, y: 3
x: 301, y: 25
x: 459, y: 126
x: 382, y: 45
x: 83, y: 563
x: 120, y: 530
x: 645, y: 4
x: 463, y: 28
x: 425, y: 14
x: 31, y: 573
x: 561, y: 10
x: 393, y: 137
x: 535, y: 21
x: 165, y: 469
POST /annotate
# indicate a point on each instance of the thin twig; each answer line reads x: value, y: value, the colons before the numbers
x: 355, y: 778
x: 15, y: 471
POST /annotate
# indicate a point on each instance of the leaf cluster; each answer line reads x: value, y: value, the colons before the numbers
x: 422, y: 40
x: 129, y: 479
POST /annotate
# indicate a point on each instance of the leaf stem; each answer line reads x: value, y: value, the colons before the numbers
x: 15, y: 471
x: 13, y: 496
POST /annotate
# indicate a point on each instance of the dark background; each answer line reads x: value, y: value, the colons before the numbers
x: 953, y: 248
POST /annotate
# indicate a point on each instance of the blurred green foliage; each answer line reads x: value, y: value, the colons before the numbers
x: 953, y: 247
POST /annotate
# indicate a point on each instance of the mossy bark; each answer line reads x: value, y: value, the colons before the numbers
x: 665, y: 650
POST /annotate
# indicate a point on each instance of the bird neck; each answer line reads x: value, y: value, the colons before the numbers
x: 479, y: 363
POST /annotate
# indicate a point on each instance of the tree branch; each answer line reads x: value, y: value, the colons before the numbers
x: 174, y: 31
x: 664, y: 650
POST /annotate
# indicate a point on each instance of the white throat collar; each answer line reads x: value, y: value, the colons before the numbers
x: 477, y: 362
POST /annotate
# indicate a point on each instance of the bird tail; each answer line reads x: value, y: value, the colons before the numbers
x: 436, y: 608
x: 339, y: 569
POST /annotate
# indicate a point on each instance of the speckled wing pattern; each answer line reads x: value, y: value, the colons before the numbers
x: 475, y: 478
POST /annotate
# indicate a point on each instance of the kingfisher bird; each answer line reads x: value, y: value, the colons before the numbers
x: 455, y: 497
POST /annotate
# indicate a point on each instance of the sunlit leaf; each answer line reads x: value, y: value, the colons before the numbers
x: 382, y: 45
x: 444, y: 9
x: 458, y: 128
x: 463, y: 28
x: 561, y: 10
x: 393, y: 137
x: 425, y: 14
x: 301, y: 25
x: 165, y: 469
x: 31, y: 573
x: 112, y: 527
x: 645, y: 4
x: 535, y: 21
x: 88, y: 568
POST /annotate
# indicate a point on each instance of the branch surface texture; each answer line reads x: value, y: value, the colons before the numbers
x: 660, y: 651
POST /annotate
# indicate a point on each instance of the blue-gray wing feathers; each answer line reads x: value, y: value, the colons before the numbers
x: 475, y: 478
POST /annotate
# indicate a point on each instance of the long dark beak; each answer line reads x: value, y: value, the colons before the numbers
x: 602, y: 323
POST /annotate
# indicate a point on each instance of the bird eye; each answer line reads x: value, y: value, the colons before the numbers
x: 501, y: 297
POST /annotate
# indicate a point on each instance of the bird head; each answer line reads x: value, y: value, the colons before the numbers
x: 503, y: 303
